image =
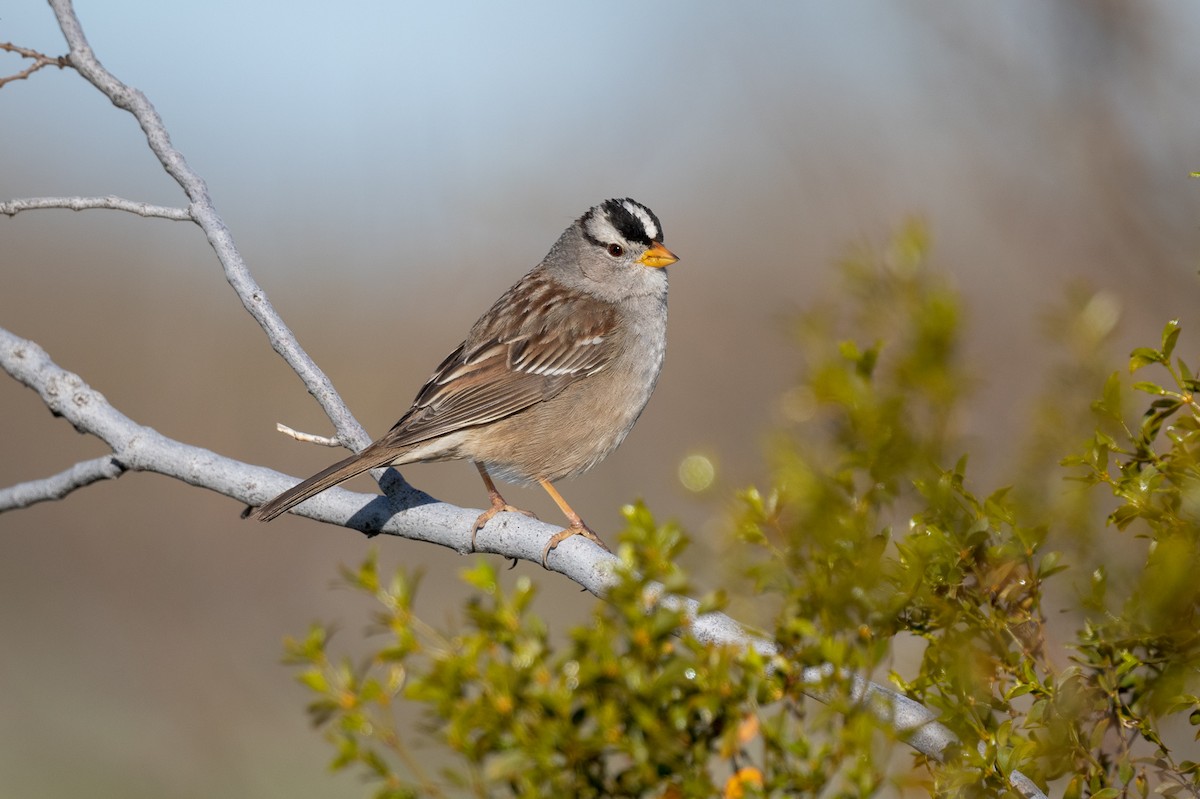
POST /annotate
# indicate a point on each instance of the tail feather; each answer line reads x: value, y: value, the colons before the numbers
x: 341, y: 471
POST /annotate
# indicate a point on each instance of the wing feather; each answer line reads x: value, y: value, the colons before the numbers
x: 525, y: 350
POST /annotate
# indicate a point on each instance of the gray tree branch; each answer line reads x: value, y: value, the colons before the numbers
x: 401, y: 510
x: 14, y: 207
x: 84, y: 473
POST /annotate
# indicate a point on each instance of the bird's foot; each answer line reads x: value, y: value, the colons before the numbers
x: 498, y: 506
x: 576, y: 528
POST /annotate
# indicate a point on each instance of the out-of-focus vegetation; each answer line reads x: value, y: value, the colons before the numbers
x: 869, y: 537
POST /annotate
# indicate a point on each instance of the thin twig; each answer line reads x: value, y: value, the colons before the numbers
x: 308, y: 438
x: 40, y: 60
x: 14, y: 207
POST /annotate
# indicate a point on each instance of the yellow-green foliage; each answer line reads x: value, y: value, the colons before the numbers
x: 867, y: 534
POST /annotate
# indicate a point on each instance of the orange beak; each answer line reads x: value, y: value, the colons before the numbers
x: 657, y: 256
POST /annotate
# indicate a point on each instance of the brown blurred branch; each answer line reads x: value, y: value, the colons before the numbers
x: 40, y: 60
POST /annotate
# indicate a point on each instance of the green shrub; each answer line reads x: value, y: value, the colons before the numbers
x: 868, y: 538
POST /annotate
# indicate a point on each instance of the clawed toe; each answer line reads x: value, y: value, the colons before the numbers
x: 562, y: 535
x: 498, y: 505
x: 486, y: 516
x: 576, y: 526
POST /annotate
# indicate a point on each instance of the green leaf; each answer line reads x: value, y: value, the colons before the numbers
x: 1187, y: 424
x: 367, y: 576
x: 1149, y: 388
x: 849, y: 350
x: 1109, y: 404
x: 1019, y: 689
x: 1123, y: 516
x: 1143, y: 356
x: 315, y: 680
x: 713, y: 601
x: 1049, y: 565
x: 1170, y: 335
x: 481, y: 576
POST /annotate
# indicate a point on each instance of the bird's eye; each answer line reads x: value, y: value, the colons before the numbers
x: 615, y: 250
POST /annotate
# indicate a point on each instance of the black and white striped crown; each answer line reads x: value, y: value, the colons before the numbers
x: 633, y: 221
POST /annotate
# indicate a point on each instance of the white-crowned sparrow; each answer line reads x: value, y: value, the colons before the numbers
x: 550, y: 380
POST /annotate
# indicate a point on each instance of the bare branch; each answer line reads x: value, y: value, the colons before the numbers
x: 308, y: 438
x: 14, y: 207
x: 40, y: 60
x: 405, y: 512
x: 205, y: 215
x: 22, y: 495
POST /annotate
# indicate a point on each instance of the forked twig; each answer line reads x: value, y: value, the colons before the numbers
x: 40, y: 61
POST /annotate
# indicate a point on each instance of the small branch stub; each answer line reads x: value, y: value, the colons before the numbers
x: 308, y: 438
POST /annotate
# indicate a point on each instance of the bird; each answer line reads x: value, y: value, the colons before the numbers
x: 549, y: 381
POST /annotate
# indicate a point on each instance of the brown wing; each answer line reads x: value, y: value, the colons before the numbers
x: 533, y: 343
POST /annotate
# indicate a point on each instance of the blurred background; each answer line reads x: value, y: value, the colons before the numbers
x: 387, y: 169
